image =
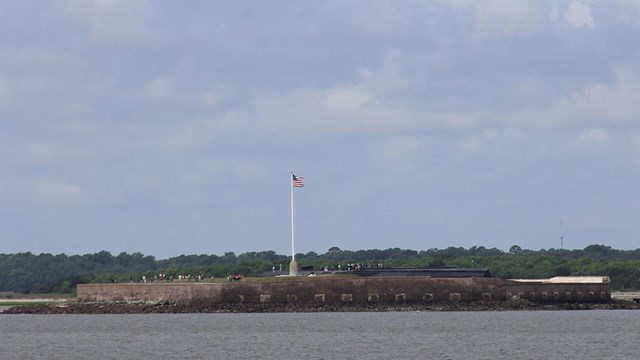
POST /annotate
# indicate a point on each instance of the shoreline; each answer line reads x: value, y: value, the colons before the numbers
x: 167, y: 307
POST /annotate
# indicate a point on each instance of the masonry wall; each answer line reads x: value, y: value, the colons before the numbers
x: 560, y: 292
x: 180, y: 292
x: 356, y: 290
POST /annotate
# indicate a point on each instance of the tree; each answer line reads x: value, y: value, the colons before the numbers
x: 598, y: 252
x: 26, y: 272
x: 515, y: 249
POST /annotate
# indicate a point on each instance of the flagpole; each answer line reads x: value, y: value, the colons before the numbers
x: 293, y: 266
x: 293, y: 236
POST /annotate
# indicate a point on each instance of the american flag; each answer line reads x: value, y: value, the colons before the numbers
x: 297, y: 181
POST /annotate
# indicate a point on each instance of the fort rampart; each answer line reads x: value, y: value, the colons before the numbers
x: 348, y: 290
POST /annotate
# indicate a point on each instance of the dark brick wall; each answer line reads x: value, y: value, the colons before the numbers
x: 356, y: 290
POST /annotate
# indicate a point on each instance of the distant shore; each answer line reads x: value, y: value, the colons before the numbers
x: 8, y: 303
x: 166, y: 307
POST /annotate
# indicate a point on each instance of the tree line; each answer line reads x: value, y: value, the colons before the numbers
x: 27, y: 272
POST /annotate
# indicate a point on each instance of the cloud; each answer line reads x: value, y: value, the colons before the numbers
x: 349, y: 110
x: 109, y: 18
x: 477, y: 141
x: 364, y: 72
x: 595, y: 135
x: 202, y: 131
x: 488, y: 139
x: 381, y: 17
x: 59, y: 192
x: 341, y: 109
x: 375, y: 104
x: 598, y: 103
x: 160, y: 88
x: 3, y: 97
x: 44, y: 152
x: 578, y: 14
x: 629, y: 8
x: 169, y: 90
x: 211, y: 99
x: 617, y: 102
x: 400, y: 148
x: 502, y: 16
x: 43, y: 191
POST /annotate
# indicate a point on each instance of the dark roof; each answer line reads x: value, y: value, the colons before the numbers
x: 427, y: 272
x: 399, y: 271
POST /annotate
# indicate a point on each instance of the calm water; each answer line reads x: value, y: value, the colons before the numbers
x: 335, y: 336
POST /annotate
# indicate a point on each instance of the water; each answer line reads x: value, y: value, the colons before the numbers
x: 414, y: 335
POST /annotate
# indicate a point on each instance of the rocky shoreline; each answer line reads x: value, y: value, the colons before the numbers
x: 167, y: 307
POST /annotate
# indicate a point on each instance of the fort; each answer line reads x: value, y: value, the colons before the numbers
x: 385, y: 288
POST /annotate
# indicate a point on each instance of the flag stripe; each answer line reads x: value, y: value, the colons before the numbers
x: 298, y: 181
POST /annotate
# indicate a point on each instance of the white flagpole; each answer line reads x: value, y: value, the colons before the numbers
x: 293, y: 237
x: 293, y: 266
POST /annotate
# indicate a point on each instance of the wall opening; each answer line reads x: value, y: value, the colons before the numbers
x: 346, y: 297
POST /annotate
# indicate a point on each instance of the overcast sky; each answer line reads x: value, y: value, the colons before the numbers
x: 171, y: 127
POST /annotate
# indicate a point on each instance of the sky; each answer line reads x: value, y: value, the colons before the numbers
x: 169, y: 128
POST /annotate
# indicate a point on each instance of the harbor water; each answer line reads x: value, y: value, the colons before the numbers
x: 595, y: 334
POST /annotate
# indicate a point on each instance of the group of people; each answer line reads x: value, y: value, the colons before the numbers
x: 236, y: 277
x: 168, y: 278
x: 350, y: 267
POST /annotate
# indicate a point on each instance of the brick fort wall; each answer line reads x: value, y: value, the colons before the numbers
x: 355, y: 290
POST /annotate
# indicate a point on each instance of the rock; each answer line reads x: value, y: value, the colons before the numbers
x: 163, y: 307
